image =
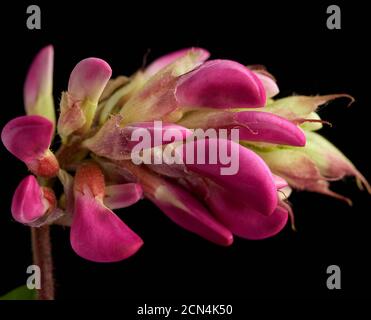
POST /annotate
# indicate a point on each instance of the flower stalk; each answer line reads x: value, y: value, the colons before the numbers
x: 42, y: 257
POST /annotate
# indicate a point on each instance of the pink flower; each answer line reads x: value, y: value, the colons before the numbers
x: 97, y: 234
x: 28, y: 138
x: 31, y: 203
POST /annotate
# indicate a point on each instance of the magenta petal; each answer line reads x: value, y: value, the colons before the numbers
x: 88, y: 79
x: 252, y: 126
x: 279, y: 182
x: 269, y: 84
x: 181, y: 207
x: 27, y: 137
x: 39, y: 80
x: 97, y: 234
x: 165, y: 60
x: 122, y: 195
x: 251, y: 179
x: 267, y: 127
x: 243, y: 220
x: 220, y: 84
x: 28, y: 203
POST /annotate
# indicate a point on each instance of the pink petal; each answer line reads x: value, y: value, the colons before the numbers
x: 220, y: 84
x: 27, y: 137
x: 88, y: 79
x: 29, y: 204
x: 169, y: 58
x: 269, y: 84
x: 252, y: 126
x: 252, y: 180
x: 182, y: 208
x: 243, y: 220
x: 97, y: 234
x: 39, y: 80
x: 267, y: 127
x: 279, y: 182
x: 122, y: 195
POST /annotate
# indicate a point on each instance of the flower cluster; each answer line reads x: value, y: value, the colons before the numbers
x: 279, y: 149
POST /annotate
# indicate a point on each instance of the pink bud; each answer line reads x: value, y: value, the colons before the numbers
x: 220, y: 84
x: 88, y: 79
x: 38, y: 87
x: 78, y: 106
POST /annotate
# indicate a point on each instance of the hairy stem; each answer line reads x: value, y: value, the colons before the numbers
x: 42, y: 257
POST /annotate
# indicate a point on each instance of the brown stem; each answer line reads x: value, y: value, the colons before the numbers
x: 42, y: 257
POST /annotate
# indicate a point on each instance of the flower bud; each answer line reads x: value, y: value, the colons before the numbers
x: 78, y: 106
x: 37, y: 93
x: 169, y: 58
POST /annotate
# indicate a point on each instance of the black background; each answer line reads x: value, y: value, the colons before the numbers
x: 292, y: 40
